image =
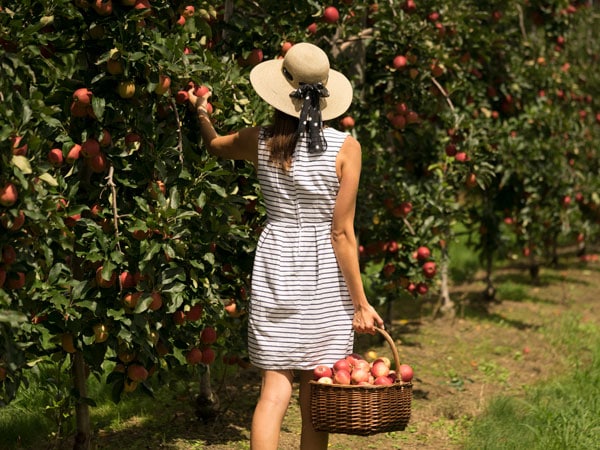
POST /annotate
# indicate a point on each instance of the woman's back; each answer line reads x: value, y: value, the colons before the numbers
x: 305, y: 193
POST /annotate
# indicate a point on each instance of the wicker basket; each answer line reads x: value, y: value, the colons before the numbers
x: 361, y: 410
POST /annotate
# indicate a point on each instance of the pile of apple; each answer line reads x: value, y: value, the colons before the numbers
x: 354, y: 369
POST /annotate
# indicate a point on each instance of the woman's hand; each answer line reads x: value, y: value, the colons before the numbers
x: 366, y: 319
x: 196, y: 102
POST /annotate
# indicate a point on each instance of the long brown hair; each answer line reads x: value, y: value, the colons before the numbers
x: 282, y: 139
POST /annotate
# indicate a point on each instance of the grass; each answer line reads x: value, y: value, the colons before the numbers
x: 561, y: 414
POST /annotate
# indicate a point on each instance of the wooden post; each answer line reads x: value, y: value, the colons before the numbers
x: 82, y: 410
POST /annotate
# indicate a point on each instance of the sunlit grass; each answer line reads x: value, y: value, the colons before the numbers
x: 561, y: 414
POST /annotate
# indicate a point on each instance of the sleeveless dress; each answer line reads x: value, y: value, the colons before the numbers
x: 300, y: 312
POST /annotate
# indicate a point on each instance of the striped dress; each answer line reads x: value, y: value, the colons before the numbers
x: 300, y: 309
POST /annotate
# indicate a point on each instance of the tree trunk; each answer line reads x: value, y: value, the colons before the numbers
x: 490, y: 291
x: 534, y: 268
x: 445, y: 304
x: 207, y: 402
x: 82, y: 410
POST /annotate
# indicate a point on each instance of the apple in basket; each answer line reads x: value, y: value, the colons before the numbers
x: 406, y: 372
x: 353, y: 359
x: 380, y: 369
x: 359, y: 375
x: 384, y: 360
x: 342, y: 364
x: 362, y: 364
x: 322, y: 371
x: 342, y: 377
x: 325, y: 380
x: 383, y: 381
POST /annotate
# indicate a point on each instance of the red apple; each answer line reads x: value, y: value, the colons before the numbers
x: 341, y: 365
x: 208, y: 356
x: 97, y: 163
x: 383, y: 381
x: 331, y: 14
x: 194, y: 356
x: 410, y: 6
x: 362, y: 364
x: 451, y: 150
x: 55, y: 157
x: 127, y: 280
x: 400, y: 62
x: 388, y: 270
x: 461, y: 157
x: 406, y: 372
x: 182, y: 97
x: 157, y: 302
x: 423, y: 253
x: 385, y: 360
x: 379, y: 369
x: 342, y: 377
x: 255, y: 57
x: 17, y: 149
x: 103, y: 7
x: 353, y: 359
x: 398, y: 121
x: 322, y: 371
x: 83, y: 96
x: 429, y: 269
x: 74, y: 153
x: 208, y: 335
x: 131, y: 300
x: 8, y: 195
x: 100, y: 281
x: 347, y: 122
x: 90, y: 148
x: 312, y: 28
x: 195, y: 313
x: 188, y: 11
x: 285, y: 47
x: 201, y: 91
x: 422, y: 288
x: 8, y: 255
x: 179, y: 317
x: 164, y: 82
x: 359, y: 375
x: 15, y: 280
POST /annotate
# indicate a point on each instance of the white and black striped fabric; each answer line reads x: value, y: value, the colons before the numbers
x: 300, y: 309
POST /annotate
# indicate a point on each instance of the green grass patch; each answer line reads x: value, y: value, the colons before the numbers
x: 464, y: 262
x: 561, y: 414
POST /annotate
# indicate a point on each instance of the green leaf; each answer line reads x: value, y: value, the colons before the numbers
x: 14, y: 318
x: 22, y: 163
x: 46, y: 177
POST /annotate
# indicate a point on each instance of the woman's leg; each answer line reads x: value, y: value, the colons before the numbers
x: 311, y: 439
x: 275, y: 395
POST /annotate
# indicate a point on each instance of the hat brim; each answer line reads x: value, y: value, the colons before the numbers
x: 270, y: 84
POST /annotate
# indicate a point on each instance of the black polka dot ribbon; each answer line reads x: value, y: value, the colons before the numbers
x: 310, y: 116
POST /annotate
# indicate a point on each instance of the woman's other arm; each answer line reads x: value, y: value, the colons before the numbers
x: 242, y: 144
x: 343, y: 238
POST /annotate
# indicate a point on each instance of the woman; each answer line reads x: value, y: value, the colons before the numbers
x: 307, y: 296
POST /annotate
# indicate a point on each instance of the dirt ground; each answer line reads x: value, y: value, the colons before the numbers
x: 460, y: 362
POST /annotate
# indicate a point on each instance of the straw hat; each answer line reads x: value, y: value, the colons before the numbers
x: 275, y: 80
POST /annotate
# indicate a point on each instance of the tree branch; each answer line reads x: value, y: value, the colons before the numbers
x: 113, y: 190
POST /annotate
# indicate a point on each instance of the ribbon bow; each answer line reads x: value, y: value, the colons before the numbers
x: 310, y: 116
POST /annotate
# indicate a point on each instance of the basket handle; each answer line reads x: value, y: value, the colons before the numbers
x: 392, y: 345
